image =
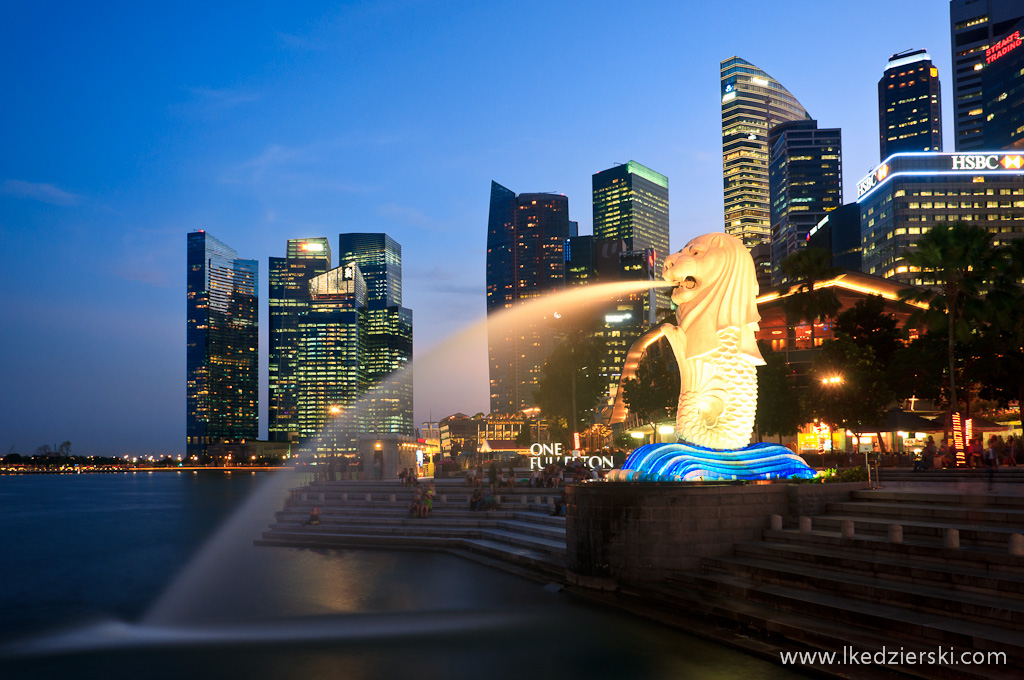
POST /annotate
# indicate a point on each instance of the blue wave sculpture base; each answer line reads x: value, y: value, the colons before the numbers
x: 684, y: 462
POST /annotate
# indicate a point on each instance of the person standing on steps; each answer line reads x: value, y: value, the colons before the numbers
x: 492, y: 476
x: 991, y: 458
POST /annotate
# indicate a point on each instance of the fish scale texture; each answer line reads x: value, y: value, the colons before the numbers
x: 718, y: 396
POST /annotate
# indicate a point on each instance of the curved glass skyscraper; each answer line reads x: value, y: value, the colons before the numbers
x: 752, y: 102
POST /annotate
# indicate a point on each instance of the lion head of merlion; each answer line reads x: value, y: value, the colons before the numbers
x: 716, y: 289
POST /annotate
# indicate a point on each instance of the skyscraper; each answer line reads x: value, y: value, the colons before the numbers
x: 621, y: 320
x: 289, y: 300
x: 330, y: 371
x: 805, y: 182
x: 222, y: 354
x: 526, y: 236
x: 387, y: 330
x: 909, y: 105
x: 380, y: 260
x: 907, y: 194
x: 975, y: 25
x: 1002, y: 83
x: 631, y: 204
x: 752, y: 103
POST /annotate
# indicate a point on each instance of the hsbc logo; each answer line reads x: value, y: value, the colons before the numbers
x: 940, y: 163
x: 985, y: 162
x: 975, y: 162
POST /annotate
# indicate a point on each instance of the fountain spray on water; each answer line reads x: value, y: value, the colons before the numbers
x: 188, y: 610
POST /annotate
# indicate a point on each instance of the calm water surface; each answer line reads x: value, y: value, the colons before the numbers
x: 103, y: 576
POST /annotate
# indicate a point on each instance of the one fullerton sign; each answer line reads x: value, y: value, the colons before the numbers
x: 542, y: 455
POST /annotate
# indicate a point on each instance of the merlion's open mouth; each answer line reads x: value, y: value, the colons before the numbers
x: 689, y: 283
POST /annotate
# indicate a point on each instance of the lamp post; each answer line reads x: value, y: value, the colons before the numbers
x: 575, y: 418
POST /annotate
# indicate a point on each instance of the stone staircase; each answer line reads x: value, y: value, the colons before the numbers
x: 520, y: 536
x: 846, y: 578
x: 1005, y: 475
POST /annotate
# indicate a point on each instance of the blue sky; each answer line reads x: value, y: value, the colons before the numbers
x: 126, y: 125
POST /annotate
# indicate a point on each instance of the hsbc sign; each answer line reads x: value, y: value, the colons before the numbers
x: 982, y: 162
x: 941, y: 163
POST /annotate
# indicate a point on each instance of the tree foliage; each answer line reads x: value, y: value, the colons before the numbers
x: 779, y: 411
x: 860, y: 400
x: 806, y: 269
x: 652, y: 393
x: 959, y: 263
x: 575, y: 362
x: 868, y: 325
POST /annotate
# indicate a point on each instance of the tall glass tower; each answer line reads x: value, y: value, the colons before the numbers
x: 380, y: 260
x: 330, y: 372
x: 222, y: 346
x: 805, y: 177
x: 974, y: 27
x: 387, y: 332
x: 631, y: 204
x: 752, y: 102
x: 526, y: 237
x: 909, y: 105
x: 289, y: 300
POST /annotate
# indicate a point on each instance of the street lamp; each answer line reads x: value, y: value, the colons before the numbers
x: 575, y: 418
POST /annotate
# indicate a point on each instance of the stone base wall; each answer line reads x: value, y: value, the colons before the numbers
x: 633, y: 532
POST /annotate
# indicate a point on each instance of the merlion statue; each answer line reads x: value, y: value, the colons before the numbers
x: 714, y: 345
x: 713, y: 340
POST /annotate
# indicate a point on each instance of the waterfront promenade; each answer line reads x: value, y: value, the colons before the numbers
x: 929, y: 561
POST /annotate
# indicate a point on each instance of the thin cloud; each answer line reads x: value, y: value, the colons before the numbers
x: 46, y: 193
x: 307, y: 166
x: 223, y: 98
x: 440, y: 280
x: 411, y: 217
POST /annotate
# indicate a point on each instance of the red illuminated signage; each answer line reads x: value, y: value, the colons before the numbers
x: 1007, y: 44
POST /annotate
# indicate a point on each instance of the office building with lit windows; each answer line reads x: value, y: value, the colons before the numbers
x: 222, y: 346
x: 838, y: 232
x: 380, y: 260
x: 289, y: 299
x: 631, y: 204
x: 752, y: 103
x: 526, y: 237
x: 909, y: 105
x: 805, y: 180
x: 1002, y: 84
x: 975, y: 27
x: 330, y: 369
x: 621, y: 320
x: 387, y: 332
x: 908, y: 193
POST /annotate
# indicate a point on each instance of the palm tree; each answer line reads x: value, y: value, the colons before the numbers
x: 958, y: 263
x: 806, y: 269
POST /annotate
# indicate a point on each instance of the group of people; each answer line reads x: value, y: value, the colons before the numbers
x: 478, y: 501
x: 343, y: 468
x: 997, y: 453
x: 408, y: 476
x: 422, y: 500
x: 976, y: 454
x: 495, y: 477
